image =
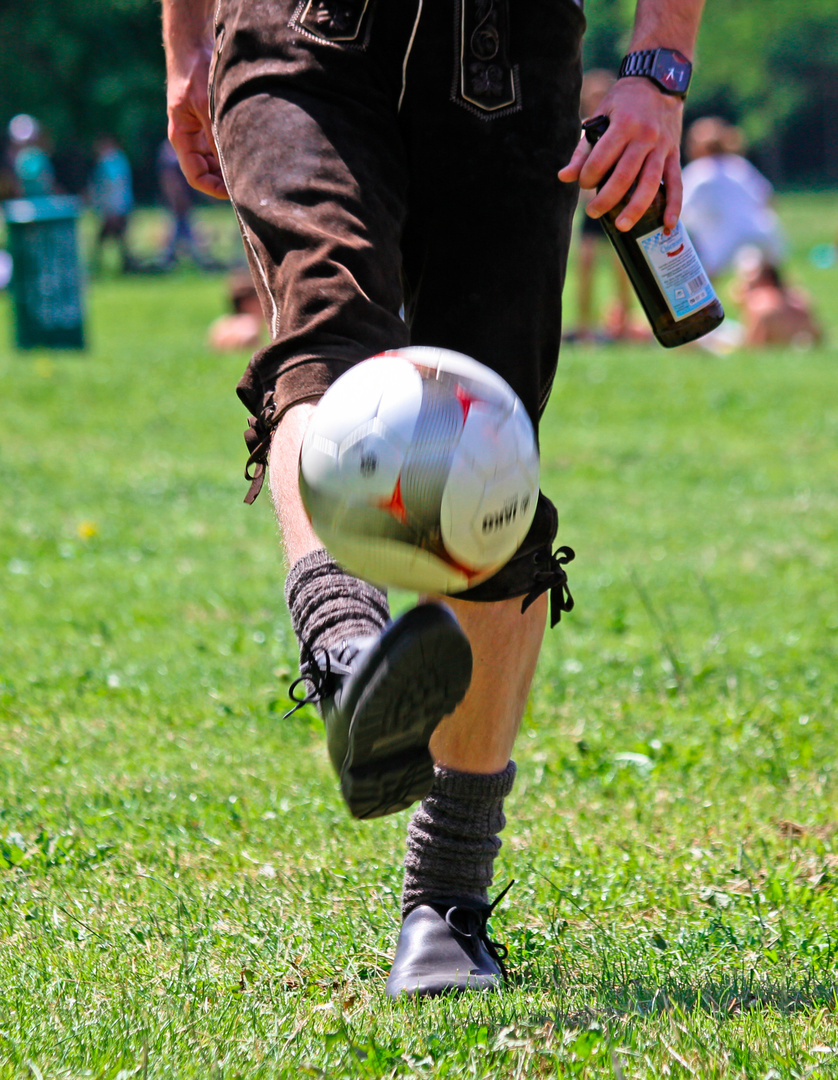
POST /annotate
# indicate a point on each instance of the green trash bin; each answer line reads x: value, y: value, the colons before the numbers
x: 46, y: 286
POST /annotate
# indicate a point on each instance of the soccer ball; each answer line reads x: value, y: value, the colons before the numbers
x: 419, y: 470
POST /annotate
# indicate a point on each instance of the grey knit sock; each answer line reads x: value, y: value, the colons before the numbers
x: 452, y: 838
x: 328, y: 606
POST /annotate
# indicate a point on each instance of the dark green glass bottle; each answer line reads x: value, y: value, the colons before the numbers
x: 665, y: 270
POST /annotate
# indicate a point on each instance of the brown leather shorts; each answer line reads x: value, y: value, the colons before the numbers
x: 393, y: 167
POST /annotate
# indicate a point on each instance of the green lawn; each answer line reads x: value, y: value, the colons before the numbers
x: 181, y: 891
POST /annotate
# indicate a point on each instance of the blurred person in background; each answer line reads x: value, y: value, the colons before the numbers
x: 727, y: 200
x: 30, y: 162
x: 8, y: 190
x: 8, y: 181
x: 244, y: 326
x: 592, y: 244
x: 179, y: 199
x: 112, y: 197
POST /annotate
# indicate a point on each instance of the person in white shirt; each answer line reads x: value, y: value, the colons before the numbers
x: 727, y: 201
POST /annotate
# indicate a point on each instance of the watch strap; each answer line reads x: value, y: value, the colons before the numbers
x: 641, y: 62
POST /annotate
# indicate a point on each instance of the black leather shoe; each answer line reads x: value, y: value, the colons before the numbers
x: 381, y: 697
x: 444, y: 948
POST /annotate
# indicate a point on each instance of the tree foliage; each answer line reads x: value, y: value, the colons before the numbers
x: 766, y: 59
x: 761, y: 65
x: 83, y: 67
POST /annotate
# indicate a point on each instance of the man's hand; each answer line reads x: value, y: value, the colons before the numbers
x: 186, y: 36
x: 642, y: 145
x: 190, y: 130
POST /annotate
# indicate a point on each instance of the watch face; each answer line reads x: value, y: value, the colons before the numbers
x: 672, y: 70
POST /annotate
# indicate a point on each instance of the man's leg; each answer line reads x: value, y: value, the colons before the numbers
x: 453, y: 836
x: 298, y: 537
x: 479, y: 735
x: 485, y: 270
x: 382, y: 687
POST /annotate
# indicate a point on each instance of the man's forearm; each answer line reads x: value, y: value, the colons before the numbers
x: 670, y: 24
x: 188, y: 40
x: 187, y: 27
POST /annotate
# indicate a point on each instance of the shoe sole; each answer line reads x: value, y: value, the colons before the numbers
x: 418, y: 673
x: 439, y: 986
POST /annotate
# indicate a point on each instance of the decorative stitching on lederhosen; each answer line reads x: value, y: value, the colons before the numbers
x: 213, y: 71
x: 485, y: 80
x: 334, y: 22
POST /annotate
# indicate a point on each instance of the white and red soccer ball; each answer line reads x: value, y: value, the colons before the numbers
x: 419, y: 470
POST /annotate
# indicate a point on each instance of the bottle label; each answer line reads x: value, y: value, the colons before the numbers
x: 678, y: 270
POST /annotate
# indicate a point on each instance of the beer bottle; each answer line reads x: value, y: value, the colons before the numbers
x: 665, y: 270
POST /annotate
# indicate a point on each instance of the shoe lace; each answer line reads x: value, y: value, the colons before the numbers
x: 553, y: 578
x: 471, y: 922
x: 318, y: 670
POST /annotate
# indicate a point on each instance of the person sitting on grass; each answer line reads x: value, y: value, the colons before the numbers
x: 243, y: 327
x: 773, y: 312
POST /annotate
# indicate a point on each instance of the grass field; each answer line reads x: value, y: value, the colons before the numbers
x: 181, y: 891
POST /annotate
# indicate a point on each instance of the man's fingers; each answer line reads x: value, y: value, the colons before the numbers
x: 646, y: 188
x: 202, y: 171
x: 570, y: 173
x: 674, y: 191
x: 196, y: 154
x: 212, y: 180
x: 204, y: 174
x: 636, y: 166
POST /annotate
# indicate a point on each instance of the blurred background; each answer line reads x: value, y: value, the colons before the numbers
x: 82, y: 115
x: 87, y: 67
x: 92, y: 68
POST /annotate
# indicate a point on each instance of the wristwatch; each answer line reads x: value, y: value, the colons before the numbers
x: 669, y: 70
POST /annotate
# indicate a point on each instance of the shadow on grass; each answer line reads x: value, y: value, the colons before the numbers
x: 720, y: 999
x: 723, y: 999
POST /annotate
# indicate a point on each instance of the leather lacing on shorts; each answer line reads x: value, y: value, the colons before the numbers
x: 258, y: 440
x: 549, y: 575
